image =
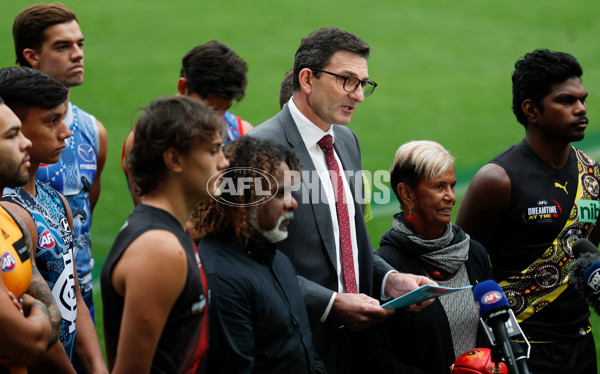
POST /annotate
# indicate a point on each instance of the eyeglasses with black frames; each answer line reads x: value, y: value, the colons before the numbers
x: 351, y: 83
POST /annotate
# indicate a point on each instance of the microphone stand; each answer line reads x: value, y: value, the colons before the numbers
x: 496, y: 359
x: 520, y: 357
x: 504, y: 347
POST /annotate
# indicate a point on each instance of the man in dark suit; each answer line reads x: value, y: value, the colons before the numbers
x: 340, y: 275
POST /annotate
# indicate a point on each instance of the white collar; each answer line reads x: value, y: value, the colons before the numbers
x: 309, y: 132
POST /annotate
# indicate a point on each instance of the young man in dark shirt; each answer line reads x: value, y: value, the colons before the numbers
x: 153, y: 289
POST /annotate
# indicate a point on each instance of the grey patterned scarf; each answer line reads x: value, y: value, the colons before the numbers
x: 448, y: 252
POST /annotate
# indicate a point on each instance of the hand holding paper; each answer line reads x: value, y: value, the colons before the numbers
x: 398, y: 284
x: 422, y: 293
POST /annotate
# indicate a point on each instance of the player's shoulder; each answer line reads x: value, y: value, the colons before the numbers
x: 20, y: 215
x: 87, y: 118
x: 158, y: 243
x: 586, y: 158
x: 490, y: 175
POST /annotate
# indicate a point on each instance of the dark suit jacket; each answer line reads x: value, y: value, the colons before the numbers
x: 311, y: 245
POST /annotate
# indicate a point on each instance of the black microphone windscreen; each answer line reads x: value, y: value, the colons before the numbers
x: 585, y: 260
x: 582, y: 246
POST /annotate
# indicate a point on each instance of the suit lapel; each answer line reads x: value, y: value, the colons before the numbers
x: 320, y: 210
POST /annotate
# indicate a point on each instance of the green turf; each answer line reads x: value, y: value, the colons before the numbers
x: 443, y: 70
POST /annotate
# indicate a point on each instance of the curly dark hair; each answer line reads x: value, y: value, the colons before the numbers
x: 215, y: 69
x: 251, y: 155
x: 316, y: 49
x: 29, y: 25
x: 535, y: 74
x: 172, y: 121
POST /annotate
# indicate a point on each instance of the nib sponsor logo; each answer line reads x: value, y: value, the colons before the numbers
x: 588, y: 210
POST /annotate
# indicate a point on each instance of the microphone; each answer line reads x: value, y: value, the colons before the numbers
x: 585, y: 272
x: 495, y: 314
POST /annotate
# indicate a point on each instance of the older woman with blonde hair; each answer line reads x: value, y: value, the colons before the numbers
x: 423, y: 241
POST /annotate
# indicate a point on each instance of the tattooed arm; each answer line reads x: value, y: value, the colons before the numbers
x: 25, y: 329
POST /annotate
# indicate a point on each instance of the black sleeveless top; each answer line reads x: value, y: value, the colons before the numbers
x: 182, y: 344
x: 532, y: 251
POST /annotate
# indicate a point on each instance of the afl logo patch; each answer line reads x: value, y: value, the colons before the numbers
x: 86, y: 153
x: 491, y: 297
x: 46, y: 240
x: 8, y: 262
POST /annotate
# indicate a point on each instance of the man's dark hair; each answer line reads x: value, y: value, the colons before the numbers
x: 316, y: 49
x: 535, y: 74
x: 29, y: 26
x: 1, y: 100
x: 253, y: 157
x: 174, y: 121
x: 287, y: 89
x: 215, y: 69
x: 23, y: 88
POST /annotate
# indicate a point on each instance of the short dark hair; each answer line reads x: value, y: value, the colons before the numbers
x: 172, y: 121
x: 215, y: 69
x: 287, y: 88
x: 534, y: 75
x: 251, y: 155
x: 23, y: 88
x: 29, y: 26
x: 316, y: 49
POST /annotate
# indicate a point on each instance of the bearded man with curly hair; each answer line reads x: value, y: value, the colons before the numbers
x: 258, y: 320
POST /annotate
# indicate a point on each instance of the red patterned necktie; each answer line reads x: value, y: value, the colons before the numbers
x: 341, y: 207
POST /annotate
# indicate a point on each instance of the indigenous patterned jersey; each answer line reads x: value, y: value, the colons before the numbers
x: 73, y: 176
x: 54, y: 252
x: 550, y: 209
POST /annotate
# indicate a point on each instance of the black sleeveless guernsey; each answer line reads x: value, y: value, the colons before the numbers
x: 184, y: 340
x: 549, y: 210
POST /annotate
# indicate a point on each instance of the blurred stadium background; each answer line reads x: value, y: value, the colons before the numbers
x: 443, y: 72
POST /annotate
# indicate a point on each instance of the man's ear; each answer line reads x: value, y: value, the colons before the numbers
x: 32, y: 57
x: 531, y: 110
x: 182, y: 86
x: 306, y: 80
x: 173, y: 160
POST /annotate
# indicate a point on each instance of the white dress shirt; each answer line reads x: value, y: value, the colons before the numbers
x: 311, y: 134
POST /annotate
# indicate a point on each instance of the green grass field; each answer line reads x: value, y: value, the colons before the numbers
x: 443, y: 70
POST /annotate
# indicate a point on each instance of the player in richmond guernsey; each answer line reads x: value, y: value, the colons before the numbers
x: 528, y: 206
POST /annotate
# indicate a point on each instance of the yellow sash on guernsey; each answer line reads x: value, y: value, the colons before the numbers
x: 16, y: 274
x: 547, y: 277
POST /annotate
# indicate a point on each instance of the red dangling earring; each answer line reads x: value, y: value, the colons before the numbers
x: 409, y: 218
